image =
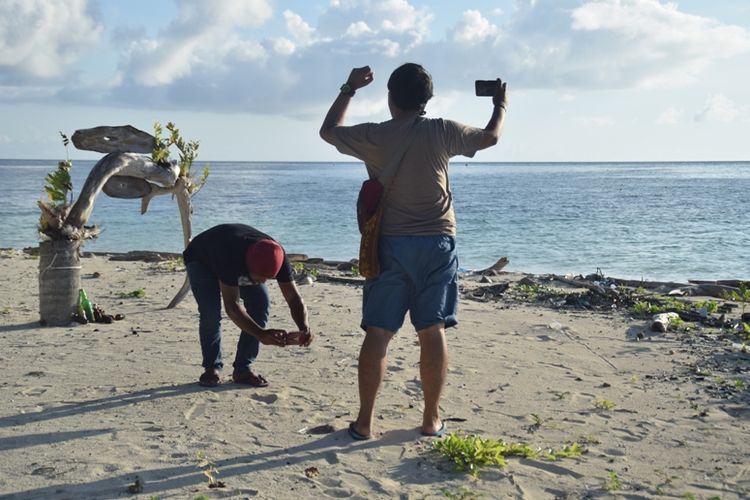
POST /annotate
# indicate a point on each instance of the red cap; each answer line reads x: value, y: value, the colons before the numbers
x: 264, y: 258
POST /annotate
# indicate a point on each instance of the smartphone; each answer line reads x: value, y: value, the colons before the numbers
x: 486, y: 87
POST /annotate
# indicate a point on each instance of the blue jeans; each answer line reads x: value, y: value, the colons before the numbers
x: 205, y: 287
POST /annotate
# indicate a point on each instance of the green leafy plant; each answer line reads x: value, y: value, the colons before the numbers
x: 709, y: 305
x: 138, y: 294
x: 473, y: 453
x: 604, y: 404
x: 355, y: 270
x: 675, y: 323
x: 463, y: 493
x: 59, y: 189
x: 188, y: 152
x: 613, y: 482
x: 742, y: 295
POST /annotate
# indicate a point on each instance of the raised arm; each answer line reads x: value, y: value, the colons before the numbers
x: 358, y: 78
x: 494, y: 127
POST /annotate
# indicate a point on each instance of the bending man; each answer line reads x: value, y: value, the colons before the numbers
x: 230, y: 262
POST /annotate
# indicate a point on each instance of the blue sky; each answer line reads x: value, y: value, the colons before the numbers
x: 589, y: 80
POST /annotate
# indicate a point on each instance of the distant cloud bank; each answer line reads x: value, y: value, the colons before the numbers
x: 211, y: 56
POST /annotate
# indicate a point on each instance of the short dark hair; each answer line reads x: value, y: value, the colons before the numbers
x: 410, y: 86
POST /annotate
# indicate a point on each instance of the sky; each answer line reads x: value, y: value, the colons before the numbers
x: 588, y: 80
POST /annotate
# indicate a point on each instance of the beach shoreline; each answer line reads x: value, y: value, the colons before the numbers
x: 88, y: 411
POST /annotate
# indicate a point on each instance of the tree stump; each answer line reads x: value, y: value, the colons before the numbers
x: 59, y: 281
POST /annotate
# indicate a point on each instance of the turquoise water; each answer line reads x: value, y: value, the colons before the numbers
x: 657, y: 221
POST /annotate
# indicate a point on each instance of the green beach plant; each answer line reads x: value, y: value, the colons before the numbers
x: 604, y: 404
x: 463, y: 493
x: 59, y: 189
x: 188, y: 151
x: 472, y: 453
x: 138, y: 294
x: 613, y: 482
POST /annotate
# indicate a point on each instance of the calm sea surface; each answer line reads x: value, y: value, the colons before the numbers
x: 657, y: 221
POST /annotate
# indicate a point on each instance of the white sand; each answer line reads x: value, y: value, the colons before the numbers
x: 86, y: 410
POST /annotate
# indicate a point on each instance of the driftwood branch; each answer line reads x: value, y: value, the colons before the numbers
x: 182, y: 194
x: 120, y: 139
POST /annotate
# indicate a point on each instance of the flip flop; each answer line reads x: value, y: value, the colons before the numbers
x: 356, y: 435
x: 249, y: 378
x: 438, y: 433
x: 209, y: 379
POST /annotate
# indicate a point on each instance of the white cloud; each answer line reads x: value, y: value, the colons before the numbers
x: 474, y: 27
x: 39, y: 39
x: 358, y: 28
x: 224, y: 55
x: 670, y: 116
x: 719, y: 108
x: 302, y: 32
x: 653, y: 42
x: 191, y: 40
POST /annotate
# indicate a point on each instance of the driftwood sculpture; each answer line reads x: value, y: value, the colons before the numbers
x: 128, y: 171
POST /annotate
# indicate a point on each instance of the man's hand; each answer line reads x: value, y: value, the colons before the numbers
x: 301, y: 338
x: 360, y: 77
x: 273, y: 337
x: 500, y: 98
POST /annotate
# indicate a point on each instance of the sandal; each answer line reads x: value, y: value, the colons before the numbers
x: 209, y: 378
x: 249, y: 378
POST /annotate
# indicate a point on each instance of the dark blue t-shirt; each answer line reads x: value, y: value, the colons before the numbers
x: 222, y: 249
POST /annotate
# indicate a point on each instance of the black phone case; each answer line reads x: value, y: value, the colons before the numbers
x: 485, y: 87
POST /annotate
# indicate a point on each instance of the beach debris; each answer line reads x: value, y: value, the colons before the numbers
x: 209, y: 470
x: 136, y: 487
x: 311, y: 472
x: 495, y: 268
x: 660, y: 322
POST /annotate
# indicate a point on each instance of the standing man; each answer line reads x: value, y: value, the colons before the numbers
x: 230, y: 262
x: 418, y: 261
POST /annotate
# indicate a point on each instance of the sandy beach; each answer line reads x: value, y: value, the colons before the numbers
x: 115, y: 411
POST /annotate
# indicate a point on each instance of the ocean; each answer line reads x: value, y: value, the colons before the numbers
x: 652, y: 221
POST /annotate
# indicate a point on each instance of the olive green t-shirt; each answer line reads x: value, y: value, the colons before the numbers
x: 419, y: 201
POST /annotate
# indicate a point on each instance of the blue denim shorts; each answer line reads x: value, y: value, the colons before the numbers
x: 418, y: 274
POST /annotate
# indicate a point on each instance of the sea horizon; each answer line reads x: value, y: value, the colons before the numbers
x: 657, y: 221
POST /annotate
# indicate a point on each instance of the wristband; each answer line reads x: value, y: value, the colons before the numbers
x: 347, y: 89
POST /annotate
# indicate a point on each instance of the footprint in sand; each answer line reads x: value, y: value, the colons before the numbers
x: 196, y: 410
x: 265, y: 398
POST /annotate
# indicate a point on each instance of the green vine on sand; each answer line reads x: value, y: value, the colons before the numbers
x: 472, y: 453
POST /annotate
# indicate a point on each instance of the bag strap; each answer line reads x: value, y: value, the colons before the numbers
x: 389, y: 172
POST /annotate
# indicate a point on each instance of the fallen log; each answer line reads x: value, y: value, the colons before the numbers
x: 705, y: 290
x: 733, y: 283
x: 118, y: 139
x: 583, y: 284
